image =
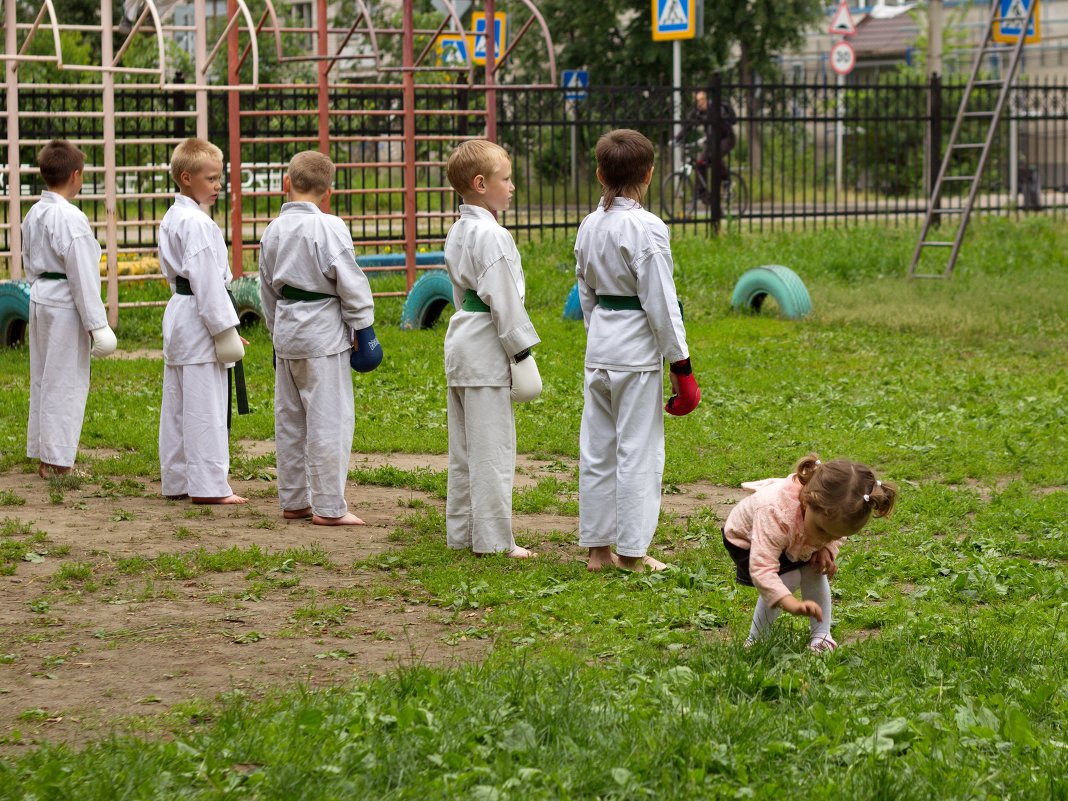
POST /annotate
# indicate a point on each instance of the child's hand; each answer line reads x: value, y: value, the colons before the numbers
x: 801, y: 608
x: 823, y: 562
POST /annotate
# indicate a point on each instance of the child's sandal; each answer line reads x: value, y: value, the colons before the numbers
x: 821, y: 645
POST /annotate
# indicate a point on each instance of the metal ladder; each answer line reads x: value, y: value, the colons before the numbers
x: 954, y: 148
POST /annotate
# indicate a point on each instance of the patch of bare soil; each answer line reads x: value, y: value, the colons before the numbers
x: 81, y: 654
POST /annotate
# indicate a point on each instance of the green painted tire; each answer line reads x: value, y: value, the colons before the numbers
x: 427, y: 300
x: 782, y: 283
x: 246, y: 291
x: 14, y: 312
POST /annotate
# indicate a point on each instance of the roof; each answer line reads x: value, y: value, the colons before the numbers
x: 884, y: 37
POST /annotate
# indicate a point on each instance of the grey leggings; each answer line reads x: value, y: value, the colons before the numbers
x: 814, y: 587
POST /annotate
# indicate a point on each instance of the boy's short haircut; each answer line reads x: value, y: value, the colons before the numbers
x: 311, y: 173
x: 191, y: 155
x: 58, y: 161
x: 624, y: 158
x: 471, y: 158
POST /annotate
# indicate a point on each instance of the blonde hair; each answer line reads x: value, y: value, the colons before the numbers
x: 624, y: 158
x: 471, y: 158
x: 191, y: 155
x: 311, y: 173
x: 844, y: 490
x: 58, y: 161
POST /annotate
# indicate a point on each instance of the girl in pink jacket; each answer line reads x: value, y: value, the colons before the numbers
x: 786, y: 534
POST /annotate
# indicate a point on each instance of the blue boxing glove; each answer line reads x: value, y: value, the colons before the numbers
x: 366, y: 353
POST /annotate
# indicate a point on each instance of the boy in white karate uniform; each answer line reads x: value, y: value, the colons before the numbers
x: 67, y: 318
x: 200, y: 338
x: 633, y: 323
x: 318, y: 306
x: 488, y: 364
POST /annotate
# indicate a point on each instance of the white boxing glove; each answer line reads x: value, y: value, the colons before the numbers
x: 526, y: 380
x: 228, y: 347
x: 104, y: 342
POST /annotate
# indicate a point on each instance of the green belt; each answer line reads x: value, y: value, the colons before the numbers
x: 292, y: 293
x: 54, y: 276
x: 181, y: 286
x: 473, y: 303
x: 619, y: 302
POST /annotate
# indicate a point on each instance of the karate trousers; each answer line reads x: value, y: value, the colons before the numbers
x: 314, y: 419
x: 478, y: 508
x: 621, y: 459
x: 59, y: 384
x: 194, y: 445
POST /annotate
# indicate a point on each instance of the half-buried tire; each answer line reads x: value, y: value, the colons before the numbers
x: 573, y: 306
x: 429, y: 296
x: 782, y: 283
x: 246, y: 291
x: 14, y: 312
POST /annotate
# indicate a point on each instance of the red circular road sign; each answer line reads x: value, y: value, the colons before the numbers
x: 843, y: 57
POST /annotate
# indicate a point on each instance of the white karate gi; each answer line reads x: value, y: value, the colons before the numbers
x: 313, y: 405
x: 625, y: 251
x: 194, y: 448
x: 482, y: 256
x: 56, y: 238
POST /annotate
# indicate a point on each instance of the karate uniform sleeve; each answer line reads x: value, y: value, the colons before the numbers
x: 767, y: 543
x: 498, y: 290
x: 656, y: 290
x: 209, y: 288
x: 353, y: 290
x: 269, y: 296
x: 587, y: 297
x: 82, y: 264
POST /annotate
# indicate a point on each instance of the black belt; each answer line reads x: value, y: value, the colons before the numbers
x: 292, y: 293
x: 473, y: 303
x: 54, y: 276
x: 235, y: 376
x: 619, y: 302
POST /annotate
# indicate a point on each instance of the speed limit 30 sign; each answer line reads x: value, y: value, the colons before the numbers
x: 843, y: 57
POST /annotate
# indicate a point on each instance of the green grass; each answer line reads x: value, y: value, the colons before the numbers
x: 951, y: 682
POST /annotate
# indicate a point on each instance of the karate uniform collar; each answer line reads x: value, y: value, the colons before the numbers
x: 185, y: 200
x: 300, y: 206
x: 625, y: 203
x: 48, y: 196
x: 476, y: 211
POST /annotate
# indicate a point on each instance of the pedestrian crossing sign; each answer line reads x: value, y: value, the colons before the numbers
x: 451, y: 49
x: 674, y: 19
x: 1009, y: 21
x: 478, y: 31
x: 575, y: 83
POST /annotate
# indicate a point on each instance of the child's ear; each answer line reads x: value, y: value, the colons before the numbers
x: 478, y: 183
x: 600, y: 179
x: 285, y: 183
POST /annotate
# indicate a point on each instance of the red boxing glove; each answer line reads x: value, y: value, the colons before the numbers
x: 687, y: 393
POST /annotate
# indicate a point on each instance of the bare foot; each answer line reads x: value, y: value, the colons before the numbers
x: 229, y: 499
x: 601, y: 557
x: 46, y: 470
x: 348, y: 519
x: 521, y: 553
x: 639, y: 564
x: 297, y: 514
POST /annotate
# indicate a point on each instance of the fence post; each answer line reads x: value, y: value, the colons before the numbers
x: 934, y: 141
x: 179, y: 105
x: 14, y: 177
x: 233, y: 113
x: 712, y: 178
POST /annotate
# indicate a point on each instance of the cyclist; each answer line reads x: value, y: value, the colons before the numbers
x: 700, y: 117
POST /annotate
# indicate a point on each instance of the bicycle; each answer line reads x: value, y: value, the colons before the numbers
x: 681, y: 191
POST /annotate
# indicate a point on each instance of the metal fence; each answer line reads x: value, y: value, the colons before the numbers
x: 806, y: 154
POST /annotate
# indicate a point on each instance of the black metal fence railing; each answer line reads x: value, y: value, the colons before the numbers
x: 801, y: 154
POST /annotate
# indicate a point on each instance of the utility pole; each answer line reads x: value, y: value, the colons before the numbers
x: 934, y: 37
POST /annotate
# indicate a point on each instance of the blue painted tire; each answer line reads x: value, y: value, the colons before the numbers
x: 427, y: 300
x: 14, y: 312
x: 572, y: 306
x: 782, y: 283
x: 246, y: 290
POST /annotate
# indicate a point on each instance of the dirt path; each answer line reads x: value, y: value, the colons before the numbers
x: 87, y: 640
